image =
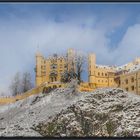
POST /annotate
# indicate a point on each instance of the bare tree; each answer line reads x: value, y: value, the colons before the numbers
x: 21, y: 84
x: 80, y: 60
x: 26, y: 82
x: 77, y: 68
x: 67, y: 76
x: 15, y: 86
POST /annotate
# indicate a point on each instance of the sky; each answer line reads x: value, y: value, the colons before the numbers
x: 110, y: 30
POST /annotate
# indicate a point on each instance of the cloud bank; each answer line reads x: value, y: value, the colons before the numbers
x: 19, y: 38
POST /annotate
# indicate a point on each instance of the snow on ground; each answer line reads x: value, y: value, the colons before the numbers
x: 23, y: 117
x: 105, y: 112
x: 17, y: 119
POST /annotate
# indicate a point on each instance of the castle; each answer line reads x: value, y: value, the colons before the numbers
x: 126, y: 77
x: 52, y: 68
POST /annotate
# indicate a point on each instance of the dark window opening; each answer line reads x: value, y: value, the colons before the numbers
x: 132, y: 79
x: 54, y: 86
x: 132, y: 87
x: 126, y: 81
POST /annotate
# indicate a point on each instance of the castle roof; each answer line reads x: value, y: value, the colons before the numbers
x: 105, y: 66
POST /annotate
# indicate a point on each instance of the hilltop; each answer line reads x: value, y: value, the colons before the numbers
x: 65, y: 112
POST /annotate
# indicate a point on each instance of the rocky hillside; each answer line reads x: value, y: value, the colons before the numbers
x: 17, y: 119
x: 105, y: 112
x: 66, y: 112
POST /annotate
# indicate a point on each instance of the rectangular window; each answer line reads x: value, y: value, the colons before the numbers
x: 132, y: 79
x: 132, y: 87
x: 127, y: 89
x: 126, y: 81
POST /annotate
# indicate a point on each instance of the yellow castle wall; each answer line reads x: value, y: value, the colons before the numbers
x: 36, y: 90
x: 100, y: 77
x: 97, y: 77
x: 44, y: 67
x: 106, y: 77
x: 131, y: 82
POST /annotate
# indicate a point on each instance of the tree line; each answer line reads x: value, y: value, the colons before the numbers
x: 21, y: 83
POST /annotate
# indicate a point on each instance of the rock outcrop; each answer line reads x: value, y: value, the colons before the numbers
x: 67, y: 112
x: 106, y: 112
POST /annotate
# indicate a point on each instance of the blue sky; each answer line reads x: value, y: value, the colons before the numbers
x: 110, y: 30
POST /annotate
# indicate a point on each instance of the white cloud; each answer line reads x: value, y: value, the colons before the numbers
x: 129, y: 47
x: 19, y: 40
x: 18, y: 45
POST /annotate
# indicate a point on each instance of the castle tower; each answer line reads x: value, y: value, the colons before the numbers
x: 91, y: 68
x: 38, y: 68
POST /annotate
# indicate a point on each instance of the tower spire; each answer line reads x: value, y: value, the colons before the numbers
x: 38, y: 47
x: 38, y: 52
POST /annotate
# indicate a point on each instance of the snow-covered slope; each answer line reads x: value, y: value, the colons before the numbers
x: 105, y: 112
x: 17, y: 119
x: 64, y: 112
